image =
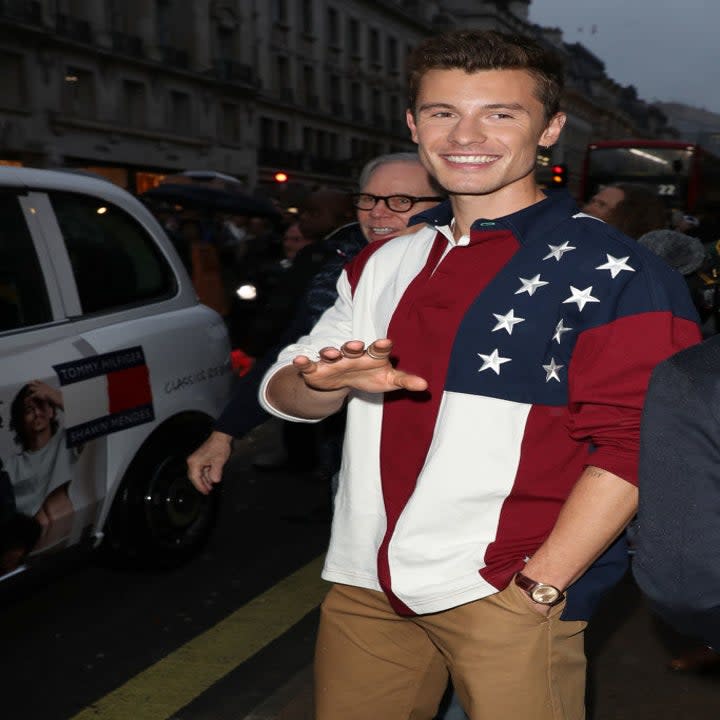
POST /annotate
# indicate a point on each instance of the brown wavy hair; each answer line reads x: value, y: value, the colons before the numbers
x: 476, y: 50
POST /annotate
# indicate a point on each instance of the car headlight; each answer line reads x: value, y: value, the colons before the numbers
x: 247, y: 292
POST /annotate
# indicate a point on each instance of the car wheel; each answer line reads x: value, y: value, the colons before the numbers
x: 158, y: 519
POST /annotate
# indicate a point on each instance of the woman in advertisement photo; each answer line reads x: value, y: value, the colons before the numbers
x: 41, y: 472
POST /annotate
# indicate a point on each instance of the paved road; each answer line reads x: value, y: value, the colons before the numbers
x: 69, y: 640
x: 230, y: 635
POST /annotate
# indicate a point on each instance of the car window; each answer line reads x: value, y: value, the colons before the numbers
x: 23, y: 296
x: 114, y: 260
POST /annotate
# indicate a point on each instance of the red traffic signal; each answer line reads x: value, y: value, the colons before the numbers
x: 280, y: 177
x: 559, y: 175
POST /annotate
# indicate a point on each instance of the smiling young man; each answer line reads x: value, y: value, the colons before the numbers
x: 494, y: 365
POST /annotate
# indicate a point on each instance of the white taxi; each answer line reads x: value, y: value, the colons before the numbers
x: 111, y: 373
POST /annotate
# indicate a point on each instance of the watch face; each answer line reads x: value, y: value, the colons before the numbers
x: 545, y: 594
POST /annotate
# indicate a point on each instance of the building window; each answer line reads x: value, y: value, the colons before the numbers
x: 267, y: 133
x: 374, y: 47
x: 224, y: 43
x: 308, y: 140
x: 322, y: 143
x: 79, y: 93
x: 354, y: 37
x: 356, y: 101
x: 134, y: 103
x: 283, y: 82
x: 180, y: 120
x: 378, y: 108
x: 163, y: 23
x: 283, y: 135
x: 332, y: 145
x: 279, y: 12
x: 359, y: 150
x: 408, y: 50
x: 395, y: 112
x: 392, y: 54
x: 308, y: 20
x: 335, y: 95
x: 230, y: 123
x: 114, y: 16
x: 12, y: 80
x: 310, y: 92
x: 333, y: 27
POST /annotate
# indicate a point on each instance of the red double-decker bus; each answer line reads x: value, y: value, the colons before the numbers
x: 685, y: 175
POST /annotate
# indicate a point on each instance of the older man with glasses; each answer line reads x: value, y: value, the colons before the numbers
x: 393, y: 188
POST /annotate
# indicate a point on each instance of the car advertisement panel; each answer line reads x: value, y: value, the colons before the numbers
x: 52, y: 449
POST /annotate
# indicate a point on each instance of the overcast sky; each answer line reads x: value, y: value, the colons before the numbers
x: 668, y: 49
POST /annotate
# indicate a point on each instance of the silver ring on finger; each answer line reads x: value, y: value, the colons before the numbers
x: 370, y: 353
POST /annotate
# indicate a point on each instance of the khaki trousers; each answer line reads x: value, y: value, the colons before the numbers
x: 506, y: 660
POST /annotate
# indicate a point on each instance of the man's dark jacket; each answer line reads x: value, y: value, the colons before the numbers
x: 677, y: 563
x: 243, y: 412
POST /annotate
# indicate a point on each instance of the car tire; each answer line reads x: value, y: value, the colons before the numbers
x: 158, y: 519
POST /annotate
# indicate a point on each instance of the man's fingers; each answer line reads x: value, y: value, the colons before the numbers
x: 205, y: 476
x: 413, y: 383
x: 352, y: 349
x: 303, y: 363
x: 379, y: 350
x: 205, y: 471
x: 330, y: 354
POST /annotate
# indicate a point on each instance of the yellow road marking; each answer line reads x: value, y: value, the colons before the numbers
x: 176, y: 680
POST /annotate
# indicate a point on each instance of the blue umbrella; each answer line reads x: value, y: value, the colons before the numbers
x: 210, y: 197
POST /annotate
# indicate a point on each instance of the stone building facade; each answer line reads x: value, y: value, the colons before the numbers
x: 137, y: 89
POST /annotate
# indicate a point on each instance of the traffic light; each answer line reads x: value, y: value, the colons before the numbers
x: 559, y: 175
x: 280, y: 177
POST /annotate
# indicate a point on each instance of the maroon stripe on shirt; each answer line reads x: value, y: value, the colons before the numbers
x: 423, y: 329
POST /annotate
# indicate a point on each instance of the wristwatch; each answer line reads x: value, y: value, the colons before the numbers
x: 539, y: 592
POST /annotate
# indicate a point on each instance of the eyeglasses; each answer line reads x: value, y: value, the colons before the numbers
x: 396, y: 203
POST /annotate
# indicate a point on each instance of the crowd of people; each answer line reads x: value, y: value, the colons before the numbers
x: 468, y: 356
x: 682, y: 240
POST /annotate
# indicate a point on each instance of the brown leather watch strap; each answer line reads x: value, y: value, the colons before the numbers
x: 538, y: 592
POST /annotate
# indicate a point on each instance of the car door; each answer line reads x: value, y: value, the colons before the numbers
x: 50, y: 487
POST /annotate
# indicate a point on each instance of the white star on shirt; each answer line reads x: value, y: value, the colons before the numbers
x: 531, y: 285
x: 507, y: 321
x: 551, y: 371
x: 557, y: 251
x: 560, y: 330
x: 493, y: 361
x: 581, y: 297
x: 615, y: 265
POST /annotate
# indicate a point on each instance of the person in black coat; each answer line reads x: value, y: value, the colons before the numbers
x: 677, y: 560
x: 316, y: 269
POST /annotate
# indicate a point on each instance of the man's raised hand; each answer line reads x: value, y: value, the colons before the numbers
x: 353, y: 366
